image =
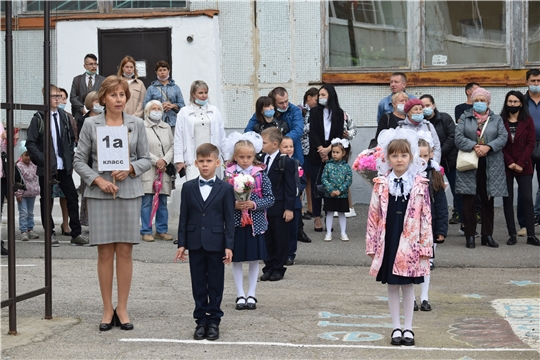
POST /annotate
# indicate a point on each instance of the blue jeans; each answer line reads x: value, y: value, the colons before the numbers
x: 162, y: 214
x: 26, y: 213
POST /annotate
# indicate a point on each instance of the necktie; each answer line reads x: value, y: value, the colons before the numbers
x: 58, y: 137
x: 267, y: 163
x: 209, y: 182
x: 90, y: 84
x: 399, y: 183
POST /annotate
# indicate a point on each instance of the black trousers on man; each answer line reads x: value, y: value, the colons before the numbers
x: 65, y: 181
x: 277, y: 245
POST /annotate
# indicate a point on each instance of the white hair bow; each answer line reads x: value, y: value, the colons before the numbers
x: 343, y: 142
x: 235, y: 137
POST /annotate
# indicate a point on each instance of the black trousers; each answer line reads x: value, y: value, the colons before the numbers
x: 207, y: 283
x: 277, y: 245
x: 469, y: 204
x: 316, y: 179
x: 68, y: 188
x: 525, y: 190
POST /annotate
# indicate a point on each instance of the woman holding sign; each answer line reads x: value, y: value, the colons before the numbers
x: 113, y: 139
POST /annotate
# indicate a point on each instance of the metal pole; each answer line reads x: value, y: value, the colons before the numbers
x: 9, y: 171
x: 48, y: 154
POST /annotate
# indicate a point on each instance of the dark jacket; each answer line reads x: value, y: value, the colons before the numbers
x: 387, y: 121
x: 316, y: 131
x: 439, y: 207
x: 520, y: 150
x: 35, y: 142
x: 79, y: 89
x: 283, y: 185
x: 259, y: 127
x: 445, y: 127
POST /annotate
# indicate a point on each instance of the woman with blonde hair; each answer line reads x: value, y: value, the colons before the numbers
x: 128, y: 71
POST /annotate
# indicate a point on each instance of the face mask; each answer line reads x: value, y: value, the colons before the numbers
x: 513, y: 109
x: 401, y: 108
x: 323, y: 101
x: 201, y: 102
x: 155, y: 115
x: 91, y: 72
x: 61, y: 106
x: 535, y: 89
x: 98, y: 109
x: 269, y: 113
x: 417, y: 117
x: 428, y: 112
x: 129, y: 76
x: 163, y: 78
x: 480, y: 107
x: 283, y: 110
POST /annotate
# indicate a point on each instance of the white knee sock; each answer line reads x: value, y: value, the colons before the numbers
x: 342, y: 223
x: 329, y: 222
x: 253, y: 274
x: 425, y: 288
x: 238, y: 275
x: 393, y: 303
x: 408, y: 304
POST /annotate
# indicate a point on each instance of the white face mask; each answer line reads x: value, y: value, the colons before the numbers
x: 401, y: 108
x: 323, y: 101
x: 155, y: 115
x: 98, y: 109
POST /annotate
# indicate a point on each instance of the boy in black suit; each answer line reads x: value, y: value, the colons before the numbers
x: 281, y: 171
x: 206, y: 229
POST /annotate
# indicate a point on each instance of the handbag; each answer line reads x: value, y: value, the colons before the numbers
x: 319, y: 191
x: 536, y: 152
x: 468, y: 160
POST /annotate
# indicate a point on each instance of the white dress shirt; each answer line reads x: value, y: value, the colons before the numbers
x: 327, y: 115
x: 59, y: 160
x: 272, y: 158
x: 206, y: 189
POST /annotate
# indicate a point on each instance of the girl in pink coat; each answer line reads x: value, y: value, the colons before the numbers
x: 399, y: 236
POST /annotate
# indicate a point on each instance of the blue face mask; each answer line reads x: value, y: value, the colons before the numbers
x: 428, y: 112
x: 417, y: 117
x: 535, y: 89
x: 269, y: 113
x: 283, y: 110
x: 480, y: 107
x: 61, y: 106
x: 129, y: 76
x: 201, y: 102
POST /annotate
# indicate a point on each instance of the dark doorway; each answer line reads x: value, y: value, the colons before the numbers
x: 146, y: 46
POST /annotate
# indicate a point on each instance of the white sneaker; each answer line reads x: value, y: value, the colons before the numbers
x: 522, y: 232
x: 335, y: 214
x: 24, y: 236
x: 328, y: 237
x: 351, y: 213
x: 344, y: 237
x: 32, y: 235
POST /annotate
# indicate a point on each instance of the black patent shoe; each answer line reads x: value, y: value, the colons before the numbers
x: 405, y: 340
x: 469, y: 242
x: 396, y: 340
x: 533, y: 240
x: 107, y: 327
x: 512, y: 240
x: 212, y: 332
x: 488, y: 240
x: 242, y: 304
x: 302, y: 237
x: 200, y: 332
x: 125, y: 326
x: 251, y: 305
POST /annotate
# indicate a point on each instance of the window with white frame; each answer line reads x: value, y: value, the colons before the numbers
x: 103, y: 5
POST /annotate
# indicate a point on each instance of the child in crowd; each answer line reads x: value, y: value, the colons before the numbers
x: 439, y: 208
x: 336, y: 179
x: 27, y: 198
x: 287, y: 148
x: 249, y: 245
x: 206, y: 229
x: 282, y: 212
x: 264, y: 112
x: 399, y: 237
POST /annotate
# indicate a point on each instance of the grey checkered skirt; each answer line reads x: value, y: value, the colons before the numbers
x: 113, y: 221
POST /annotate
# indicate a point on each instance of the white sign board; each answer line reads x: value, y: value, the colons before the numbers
x: 112, y: 148
x: 141, y: 68
x: 439, y: 60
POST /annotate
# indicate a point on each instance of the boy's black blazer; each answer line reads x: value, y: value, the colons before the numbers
x: 284, y: 190
x: 208, y: 224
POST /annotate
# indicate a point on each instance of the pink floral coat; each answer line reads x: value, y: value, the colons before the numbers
x: 417, y: 237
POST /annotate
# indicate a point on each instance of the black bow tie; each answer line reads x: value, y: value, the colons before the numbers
x: 399, y: 182
x: 209, y: 182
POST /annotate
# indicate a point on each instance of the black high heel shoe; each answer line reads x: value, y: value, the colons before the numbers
x: 107, y: 327
x: 488, y: 240
x: 126, y: 326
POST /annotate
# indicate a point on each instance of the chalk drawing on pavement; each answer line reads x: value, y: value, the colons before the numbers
x: 351, y: 336
x: 328, y: 315
x: 484, y: 332
x: 523, y: 316
x: 522, y: 283
x: 473, y: 296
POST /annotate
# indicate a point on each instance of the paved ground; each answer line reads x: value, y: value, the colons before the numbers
x: 486, y: 305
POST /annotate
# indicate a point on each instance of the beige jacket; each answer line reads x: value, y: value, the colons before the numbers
x: 135, y: 104
x: 164, y: 137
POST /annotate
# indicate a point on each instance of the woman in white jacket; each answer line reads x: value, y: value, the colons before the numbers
x: 197, y: 123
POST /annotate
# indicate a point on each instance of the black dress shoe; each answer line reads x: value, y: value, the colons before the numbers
x: 4, y: 250
x: 307, y: 215
x: 242, y: 304
x: 251, y: 305
x: 302, y: 237
x: 533, y: 240
x: 200, y: 332
x: 266, y: 276
x: 488, y: 240
x: 289, y: 262
x: 512, y: 240
x: 212, y: 332
x: 318, y: 229
x: 415, y: 306
x: 107, y: 327
x: 469, y: 242
x: 405, y: 340
x: 124, y: 326
x: 275, y: 277
x: 425, y: 306
x: 396, y: 340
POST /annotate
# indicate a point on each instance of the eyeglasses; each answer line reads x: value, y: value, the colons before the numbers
x: 92, y: 64
x: 56, y: 96
x: 513, y: 102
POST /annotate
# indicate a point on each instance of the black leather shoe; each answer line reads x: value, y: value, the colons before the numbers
x: 396, y: 340
x: 124, y: 326
x: 488, y: 240
x: 107, y: 327
x: 425, y: 306
x: 307, y: 215
x: 533, y: 240
x: 406, y: 340
x: 512, y: 240
x: 251, y: 305
x: 302, y: 237
x: 266, y: 276
x: 212, y: 332
x: 275, y: 277
x: 289, y: 262
x: 242, y: 304
x: 415, y: 306
x: 4, y: 250
x: 200, y: 332
x: 469, y: 242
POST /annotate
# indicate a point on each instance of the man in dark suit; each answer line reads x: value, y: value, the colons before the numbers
x: 62, y: 151
x: 281, y: 213
x: 83, y: 84
x: 206, y: 229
